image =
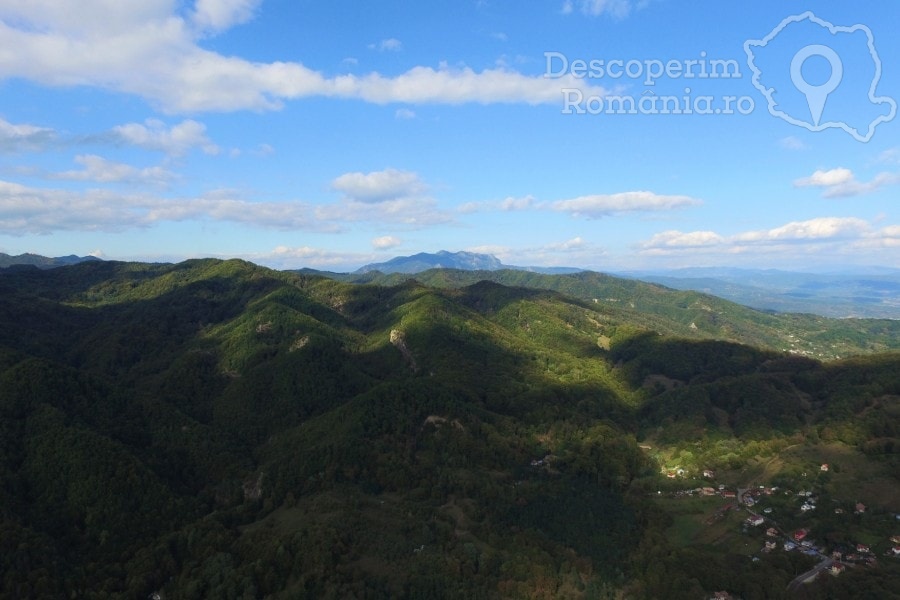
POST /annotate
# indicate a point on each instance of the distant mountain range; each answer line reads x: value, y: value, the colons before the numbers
x: 42, y: 262
x: 465, y: 261
x: 860, y: 292
x: 872, y: 292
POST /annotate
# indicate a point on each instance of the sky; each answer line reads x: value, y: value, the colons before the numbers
x: 603, y: 134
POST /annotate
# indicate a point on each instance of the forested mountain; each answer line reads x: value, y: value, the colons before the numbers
x: 679, y: 312
x: 215, y: 429
x: 42, y: 262
x: 468, y: 261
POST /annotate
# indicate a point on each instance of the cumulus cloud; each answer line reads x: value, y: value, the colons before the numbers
x: 98, y: 169
x: 604, y: 205
x: 391, y: 196
x: 841, y: 182
x: 379, y: 186
x: 828, y: 178
x: 385, y: 242
x: 220, y: 15
x: 813, y: 229
x: 176, y: 140
x: 831, y: 234
x: 151, y: 50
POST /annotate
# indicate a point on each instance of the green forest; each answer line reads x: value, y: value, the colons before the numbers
x: 216, y: 429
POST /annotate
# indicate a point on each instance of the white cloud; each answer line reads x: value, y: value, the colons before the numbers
x: 388, y: 45
x: 14, y: 138
x: 522, y: 203
x: 101, y: 170
x: 176, y: 140
x: 812, y: 229
x: 841, y: 183
x: 220, y: 15
x: 405, y: 114
x: 678, y: 239
x: 150, y: 50
x: 575, y: 251
x: 379, y: 186
x: 26, y: 210
x: 832, y: 235
x: 385, y: 242
x: 388, y: 196
x: 500, y: 36
x: 291, y: 257
x: 826, y: 178
x: 604, y: 205
x: 574, y: 243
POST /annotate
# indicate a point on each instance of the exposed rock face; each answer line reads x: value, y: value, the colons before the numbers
x: 398, y: 340
x: 253, y: 488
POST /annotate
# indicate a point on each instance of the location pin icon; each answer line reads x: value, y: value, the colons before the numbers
x: 816, y: 95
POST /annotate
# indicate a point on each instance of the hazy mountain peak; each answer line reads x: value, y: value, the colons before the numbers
x: 468, y: 261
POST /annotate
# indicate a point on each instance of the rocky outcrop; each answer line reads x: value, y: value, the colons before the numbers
x: 399, y: 341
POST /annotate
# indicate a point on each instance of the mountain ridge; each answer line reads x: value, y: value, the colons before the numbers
x: 218, y: 429
x: 444, y: 259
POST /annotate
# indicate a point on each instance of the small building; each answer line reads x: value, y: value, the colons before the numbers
x: 709, y: 474
x: 729, y: 494
x: 772, y: 532
x: 755, y: 521
x: 860, y: 508
x: 837, y: 568
x: 862, y: 548
x: 771, y: 545
x: 708, y: 491
x: 788, y: 546
x: 895, y: 550
x: 801, y: 534
x: 824, y: 467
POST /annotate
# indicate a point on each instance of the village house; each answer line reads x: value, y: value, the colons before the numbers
x: 771, y: 545
x: 860, y: 508
x: 772, y: 532
x: 837, y: 568
x: 788, y: 546
x: 755, y: 521
x: 800, y: 534
x: 824, y: 467
x: 862, y: 548
x: 709, y: 474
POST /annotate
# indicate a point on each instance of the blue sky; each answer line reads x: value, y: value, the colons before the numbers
x: 301, y: 133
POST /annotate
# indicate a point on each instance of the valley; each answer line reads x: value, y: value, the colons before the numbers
x: 218, y: 429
